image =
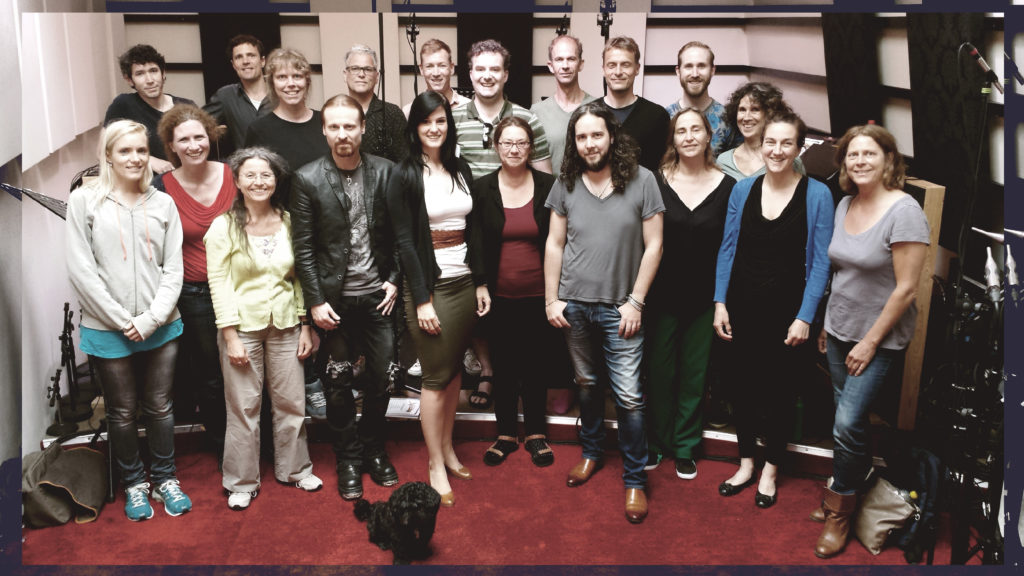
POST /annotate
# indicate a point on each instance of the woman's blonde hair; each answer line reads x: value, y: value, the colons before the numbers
x: 111, y: 134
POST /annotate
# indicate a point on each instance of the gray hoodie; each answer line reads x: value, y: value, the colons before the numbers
x: 124, y: 263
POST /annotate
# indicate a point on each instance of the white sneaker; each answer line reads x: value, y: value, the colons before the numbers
x: 471, y: 363
x: 415, y: 370
x: 310, y: 483
x: 241, y: 500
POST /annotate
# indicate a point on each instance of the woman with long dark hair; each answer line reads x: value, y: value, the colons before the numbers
x: 877, y: 251
x: 432, y: 212
x: 202, y: 189
x: 124, y: 261
x: 771, y: 273
x: 528, y: 353
x: 680, y: 304
x: 264, y: 333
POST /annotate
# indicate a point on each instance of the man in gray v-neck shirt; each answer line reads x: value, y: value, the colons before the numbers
x: 602, y: 253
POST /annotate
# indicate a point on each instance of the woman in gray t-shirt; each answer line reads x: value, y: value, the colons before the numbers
x: 877, y: 252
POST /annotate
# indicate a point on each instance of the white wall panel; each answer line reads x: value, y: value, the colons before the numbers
x: 177, y: 41
x: 303, y: 37
x: 897, y: 117
x: 93, y: 78
x: 339, y: 31
x: 186, y: 84
x: 10, y: 67
x: 997, y: 161
x: 729, y: 43
x: 894, y: 58
x: 794, y: 48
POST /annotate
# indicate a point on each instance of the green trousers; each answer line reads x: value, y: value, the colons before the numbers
x: 677, y: 365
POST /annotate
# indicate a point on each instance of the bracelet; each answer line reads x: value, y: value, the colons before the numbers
x: 546, y: 304
x: 635, y: 303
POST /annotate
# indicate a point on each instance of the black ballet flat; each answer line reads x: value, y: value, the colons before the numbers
x: 726, y: 489
x: 765, y: 501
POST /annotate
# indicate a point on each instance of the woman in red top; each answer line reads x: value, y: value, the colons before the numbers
x: 202, y: 190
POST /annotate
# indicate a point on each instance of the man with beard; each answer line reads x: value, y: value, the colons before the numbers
x: 565, y: 61
x: 385, y: 123
x: 345, y: 260
x: 437, y: 70
x: 695, y: 67
x: 238, y: 105
x: 602, y: 253
x: 145, y: 71
x: 474, y: 122
x: 642, y: 119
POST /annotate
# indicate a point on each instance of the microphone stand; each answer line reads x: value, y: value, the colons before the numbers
x: 411, y: 32
x: 605, y: 22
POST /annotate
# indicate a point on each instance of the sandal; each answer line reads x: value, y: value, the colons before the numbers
x: 540, y: 452
x: 481, y: 395
x: 500, y: 450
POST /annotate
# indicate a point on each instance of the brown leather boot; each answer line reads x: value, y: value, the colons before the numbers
x: 818, y: 515
x: 839, y: 509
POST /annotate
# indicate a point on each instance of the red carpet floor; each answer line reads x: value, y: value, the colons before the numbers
x: 513, y: 514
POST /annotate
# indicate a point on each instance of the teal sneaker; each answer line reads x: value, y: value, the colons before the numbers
x: 175, y: 501
x: 136, y: 506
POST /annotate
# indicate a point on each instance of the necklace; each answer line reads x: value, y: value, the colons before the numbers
x: 603, y: 192
x: 348, y: 174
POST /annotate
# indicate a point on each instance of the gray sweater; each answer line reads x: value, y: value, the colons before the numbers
x: 124, y: 263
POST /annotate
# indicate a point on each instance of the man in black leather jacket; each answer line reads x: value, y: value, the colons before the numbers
x: 345, y: 260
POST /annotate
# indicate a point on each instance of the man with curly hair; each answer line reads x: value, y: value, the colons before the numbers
x: 602, y: 253
x: 145, y: 71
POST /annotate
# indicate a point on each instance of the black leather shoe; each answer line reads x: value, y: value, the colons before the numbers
x: 381, y: 470
x: 765, y: 501
x: 726, y: 489
x: 350, y: 480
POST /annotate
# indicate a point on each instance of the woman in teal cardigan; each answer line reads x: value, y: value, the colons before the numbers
x: 771, y: 273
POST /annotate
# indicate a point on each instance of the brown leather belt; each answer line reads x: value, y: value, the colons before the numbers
x: 447, y: 238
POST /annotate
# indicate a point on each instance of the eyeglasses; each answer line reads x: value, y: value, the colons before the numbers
x: 486, y: 137
x: 507, y: 146
x: 361, y: 69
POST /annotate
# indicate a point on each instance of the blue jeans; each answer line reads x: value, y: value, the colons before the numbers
x: 600, y: 355
x: 144, y: 378
x: 854, y: 396
x: 198, y: 381
x: 362, y: 326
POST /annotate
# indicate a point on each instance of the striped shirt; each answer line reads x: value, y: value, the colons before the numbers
x: 471, y: 131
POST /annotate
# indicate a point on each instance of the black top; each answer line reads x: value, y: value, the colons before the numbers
x: 131, y: 106
x: 492, y: 218
x: 230, y: 106
x: 385, y: 131
x: 408, y: 211
x: 647, y: 124
x: 685, y: 283
x: 298, y: 142
x: 771, y: 254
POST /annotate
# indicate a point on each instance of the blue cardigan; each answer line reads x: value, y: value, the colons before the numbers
x: 820, y: 216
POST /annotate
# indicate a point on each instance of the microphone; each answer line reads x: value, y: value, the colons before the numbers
x: 1012, y: 281
x: 990, y: 76
x: 993, y: 284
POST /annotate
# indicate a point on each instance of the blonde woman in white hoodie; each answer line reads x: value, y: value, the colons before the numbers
x: 124, y: 259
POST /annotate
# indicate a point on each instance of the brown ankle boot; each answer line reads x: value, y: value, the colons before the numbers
x: 839, y: 509
x: 818, y: 515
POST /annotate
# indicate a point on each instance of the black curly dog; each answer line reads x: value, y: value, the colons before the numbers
x: 404, y: 523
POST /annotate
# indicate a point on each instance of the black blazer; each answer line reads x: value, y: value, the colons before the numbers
x: 321, y: 231
x: 408, y: 212
x: 492, y: 218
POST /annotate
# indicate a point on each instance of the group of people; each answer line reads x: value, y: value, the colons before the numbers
x: 658, y: 230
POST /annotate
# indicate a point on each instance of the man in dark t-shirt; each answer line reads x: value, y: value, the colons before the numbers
x: 642, y: 119
x: 144, y: 70
x: 238, y: 105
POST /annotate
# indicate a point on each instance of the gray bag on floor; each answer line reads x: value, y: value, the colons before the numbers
x: 58, y: 485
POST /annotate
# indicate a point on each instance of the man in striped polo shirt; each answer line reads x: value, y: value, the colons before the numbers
x: 475, y: 121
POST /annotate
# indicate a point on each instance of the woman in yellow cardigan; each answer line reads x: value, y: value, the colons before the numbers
x: 263, y: 331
